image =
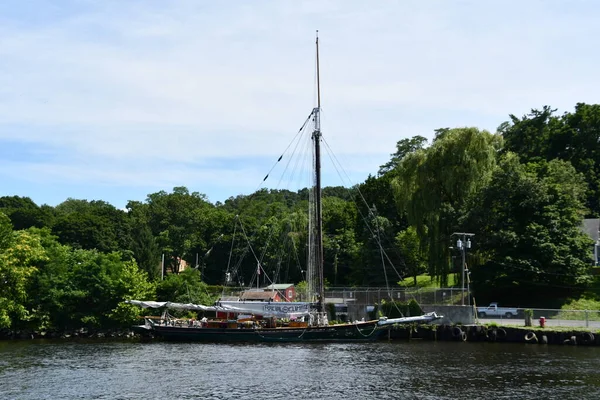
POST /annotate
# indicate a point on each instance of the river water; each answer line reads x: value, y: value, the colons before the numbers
x: 381, y: 370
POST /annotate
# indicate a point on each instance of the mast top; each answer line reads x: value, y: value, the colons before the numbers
x: 318, y: 77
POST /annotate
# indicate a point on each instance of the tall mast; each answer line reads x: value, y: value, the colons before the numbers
x: 316, y: 136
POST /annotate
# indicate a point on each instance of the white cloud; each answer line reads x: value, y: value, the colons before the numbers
x: 179, y: 82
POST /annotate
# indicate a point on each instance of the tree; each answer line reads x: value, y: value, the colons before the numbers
x: 18, y: 262
x: 91, y: 225
x: 146, y: 252
x: 178, y: 220
x: 573, y: 137
x: 414, y: 254
x: 132, y: 285
x: 404, y: 147
x: 6, y: 232
x: 186, y: 287
x: 432, y: 185
x: 24, y: 213
x: 527, y: 224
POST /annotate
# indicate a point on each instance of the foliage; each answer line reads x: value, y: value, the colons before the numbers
x: 18, y: 262
x: 146, y: 252
x: 398, y: 309
x: 574, y: 137
x: 332, y: 316
x: 301, y: 291
x: 415, y: 259
x: 404, y: 147
x: 523, y: 192
x: 24, y: 213
x: 186, y: 287
x: 433, y: 184
x: 6, y: 232
x: 581, y: 304
x: 132, y: 284
x: 91, y: 225
x: 428, y: 281
x: 82, y: 288
x: 527, y: 223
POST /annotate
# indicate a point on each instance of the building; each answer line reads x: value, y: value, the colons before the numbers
x: 591, y: 226
x: 260, y: 295
x: 287, y: 291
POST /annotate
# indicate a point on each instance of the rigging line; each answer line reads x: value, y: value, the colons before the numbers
x: 369, y: 334
x: 248, y: 241
x: 336, y: 164
x: 286, y: 149
x: 236, y: 220
x: 355, y: 187
x: 387, y: 285
x: 297, y: 255
x: 303, y: 131
x: 299, y: 139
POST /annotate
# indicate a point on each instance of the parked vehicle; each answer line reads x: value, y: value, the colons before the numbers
x: 493, y: 310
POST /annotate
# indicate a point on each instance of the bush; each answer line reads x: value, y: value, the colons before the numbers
x: 580, y: 305
x: 397, y: 309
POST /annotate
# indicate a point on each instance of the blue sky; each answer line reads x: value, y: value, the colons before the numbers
x: 114, y: 100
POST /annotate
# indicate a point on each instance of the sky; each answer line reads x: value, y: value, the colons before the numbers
x: 115, y: 100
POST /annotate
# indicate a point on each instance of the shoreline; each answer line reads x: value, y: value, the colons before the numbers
x: 497, y: 333
x: 452, y: 333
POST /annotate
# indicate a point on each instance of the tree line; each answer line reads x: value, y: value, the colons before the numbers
x: 522, y: 191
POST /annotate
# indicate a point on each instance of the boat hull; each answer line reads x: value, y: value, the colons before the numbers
x: 362, y: 331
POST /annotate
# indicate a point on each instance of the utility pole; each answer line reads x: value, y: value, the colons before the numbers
x: 463, y: 243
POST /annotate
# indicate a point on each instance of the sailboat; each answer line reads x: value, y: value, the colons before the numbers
x: 260, y: 321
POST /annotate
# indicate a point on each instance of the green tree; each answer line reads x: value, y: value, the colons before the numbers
x: 178, y: 220
x: 91, y: 225
x: 6, y: 232
x: 146, y: 252
x: 18, y: 262
x: 432, y: 185
x: 186, y: 287
x: 414, y: 254
x: 527, y: 223
x: 404, y: 147
x: 132, y: 284
x: 24, y: 213
x: 86, y: 288
x: 573, y: 137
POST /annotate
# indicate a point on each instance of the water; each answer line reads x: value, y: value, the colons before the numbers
x: 381, y: 370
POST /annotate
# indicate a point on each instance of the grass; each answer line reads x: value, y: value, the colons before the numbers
x: 580, y: 304
x: 425, y: 281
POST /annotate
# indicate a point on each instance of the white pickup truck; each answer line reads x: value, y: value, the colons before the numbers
x: 494, y: 311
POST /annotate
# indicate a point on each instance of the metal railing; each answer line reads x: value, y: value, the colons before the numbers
x: 360, y: 300
x: 551, y: 317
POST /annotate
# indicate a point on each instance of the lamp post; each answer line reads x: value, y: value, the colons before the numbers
x: 463, y: 243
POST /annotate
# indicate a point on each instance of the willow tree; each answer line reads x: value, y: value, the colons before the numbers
x: 432, y: 185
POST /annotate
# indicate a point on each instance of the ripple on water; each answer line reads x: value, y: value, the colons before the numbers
x: 381, y: 370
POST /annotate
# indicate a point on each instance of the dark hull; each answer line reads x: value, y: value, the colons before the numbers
x: 363, y: 331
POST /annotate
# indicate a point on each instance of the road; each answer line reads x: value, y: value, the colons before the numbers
x: 549, y: 322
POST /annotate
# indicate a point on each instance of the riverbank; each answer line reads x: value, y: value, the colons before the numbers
x: 493, y: 333
x: 428, y: 332
x: 83, y: 333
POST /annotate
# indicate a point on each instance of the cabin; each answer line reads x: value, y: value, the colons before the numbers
x: 260, y: 295
x: 286, y: 291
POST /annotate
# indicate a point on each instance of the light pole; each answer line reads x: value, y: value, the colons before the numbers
x: 463, y: 243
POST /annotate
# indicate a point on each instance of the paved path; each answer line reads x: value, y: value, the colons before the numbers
x: 549, y: 322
